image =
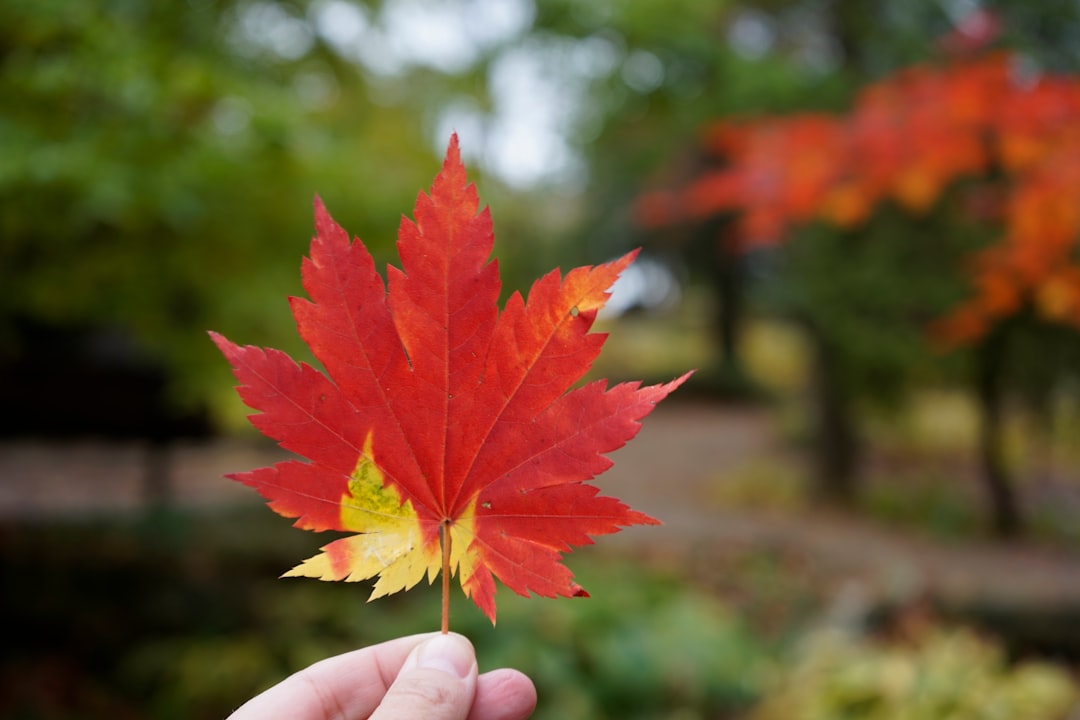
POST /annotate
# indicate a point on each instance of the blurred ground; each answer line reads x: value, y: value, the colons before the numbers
x: 685, y: 452
x: 675, y: 470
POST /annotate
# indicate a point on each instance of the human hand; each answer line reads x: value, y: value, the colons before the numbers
x: 432, y: 676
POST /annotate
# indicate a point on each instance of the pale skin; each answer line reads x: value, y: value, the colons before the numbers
x: 432, y: 676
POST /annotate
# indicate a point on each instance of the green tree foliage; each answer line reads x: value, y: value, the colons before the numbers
x: 675, y: 67
x: 159, y: 164
x: 159, y: 159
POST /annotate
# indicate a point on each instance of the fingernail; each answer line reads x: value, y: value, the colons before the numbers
x: 450, y: 653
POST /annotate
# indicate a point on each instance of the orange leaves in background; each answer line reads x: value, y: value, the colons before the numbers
x: 907, y: 138
x: 444, y: 434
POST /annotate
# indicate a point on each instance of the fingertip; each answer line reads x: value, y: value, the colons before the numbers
x: 437, y: 682
x: 452, y: 653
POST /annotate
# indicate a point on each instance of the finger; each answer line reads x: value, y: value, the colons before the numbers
x: 437, y: 682
x: 345, y: 686
x: 503, y: 694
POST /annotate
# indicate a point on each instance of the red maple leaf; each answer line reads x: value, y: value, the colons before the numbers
x: 443, y: 433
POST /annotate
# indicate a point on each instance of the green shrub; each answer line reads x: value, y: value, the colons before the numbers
x: 645, y: 646
x: 943, y: 675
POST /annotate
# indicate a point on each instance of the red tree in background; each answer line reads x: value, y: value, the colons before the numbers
x: 907, y: 138
x: 1006, y: 139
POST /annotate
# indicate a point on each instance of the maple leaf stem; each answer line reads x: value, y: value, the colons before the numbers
x: 445, y: 537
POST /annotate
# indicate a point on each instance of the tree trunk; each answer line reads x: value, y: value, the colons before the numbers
x: 835, y: 441
x: 1004, y: 509
x: 729, y: 285
x: 157, y: 479
x: 722, y: 262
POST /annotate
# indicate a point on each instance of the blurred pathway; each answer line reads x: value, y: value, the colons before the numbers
x: 671, y: 472
x: 684, y: 452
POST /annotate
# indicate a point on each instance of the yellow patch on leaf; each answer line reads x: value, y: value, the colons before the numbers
x: 462, y: 534
x: 390, y: 541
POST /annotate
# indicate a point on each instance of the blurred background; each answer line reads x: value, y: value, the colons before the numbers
x: 859, y: 221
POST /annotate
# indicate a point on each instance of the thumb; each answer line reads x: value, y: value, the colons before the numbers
x: 437, y: 681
